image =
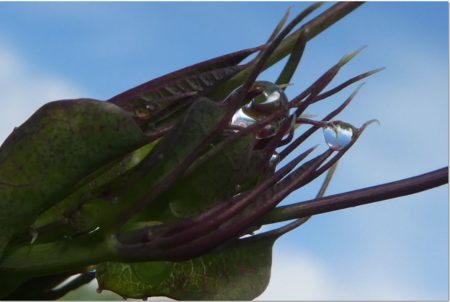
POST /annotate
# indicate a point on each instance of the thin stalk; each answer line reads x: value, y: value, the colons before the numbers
x: 294, y: 59
x: 310, y: 29
x: 359, y: 197
x: 292, y: 146
x: 347, y: 83
x: 59, y: 257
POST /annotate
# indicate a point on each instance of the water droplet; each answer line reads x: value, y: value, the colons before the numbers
x: 274, y: 160
x: 271, y: 98
x: 338, y: 134
x: 94, y: 230
x: 241, y: 119
x: 237, y: 187
x: 34, y: 235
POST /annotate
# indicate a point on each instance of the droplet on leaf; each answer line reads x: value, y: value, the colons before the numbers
x: 274, y: 160
x: 34, y: 235
x: 338, y: 134
x: 271, y: 99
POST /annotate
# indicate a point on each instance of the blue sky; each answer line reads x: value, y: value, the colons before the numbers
x: 391, y: 250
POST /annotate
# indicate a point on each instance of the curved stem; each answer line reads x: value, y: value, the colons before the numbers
x: 358, y: 197
x: 57, y: 257
x: 71, y: 255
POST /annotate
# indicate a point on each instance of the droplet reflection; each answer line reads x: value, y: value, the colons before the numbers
x: 271, y: 99
x: 241, y: 119
x: 338, y: 134
x: 274, y: 160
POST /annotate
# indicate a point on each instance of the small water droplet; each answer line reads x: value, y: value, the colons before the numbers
x: 238, y: 187
x: 274, y: 160
x: 34, y: 235
x: 338, y: 134
x: 94, y: 230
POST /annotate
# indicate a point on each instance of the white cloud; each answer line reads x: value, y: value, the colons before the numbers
x: 298, y: 275
x: 23, y: 90
x: 393, y: 250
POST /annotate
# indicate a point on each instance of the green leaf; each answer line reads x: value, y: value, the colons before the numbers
x: 213, y: 178
x: 87, y: 188
x: 44, y: 158
x: 34, y: 287
x: 10, y: 283
x: 127, y: 195
x: 240, y: 271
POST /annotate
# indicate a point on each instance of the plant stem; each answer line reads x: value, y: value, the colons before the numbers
x: 310, y: 29
x: 358, y: 197
x: 58, y: 257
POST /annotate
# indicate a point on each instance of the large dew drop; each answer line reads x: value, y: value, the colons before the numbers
x: 339, y: 134
x: 261, y: 106
x: 270, y: 99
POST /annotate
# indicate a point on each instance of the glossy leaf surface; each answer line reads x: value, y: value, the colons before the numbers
x: 43, y: 159
x: 237, y: 272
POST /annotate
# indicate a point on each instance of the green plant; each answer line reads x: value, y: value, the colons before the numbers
x: 171, y: 179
